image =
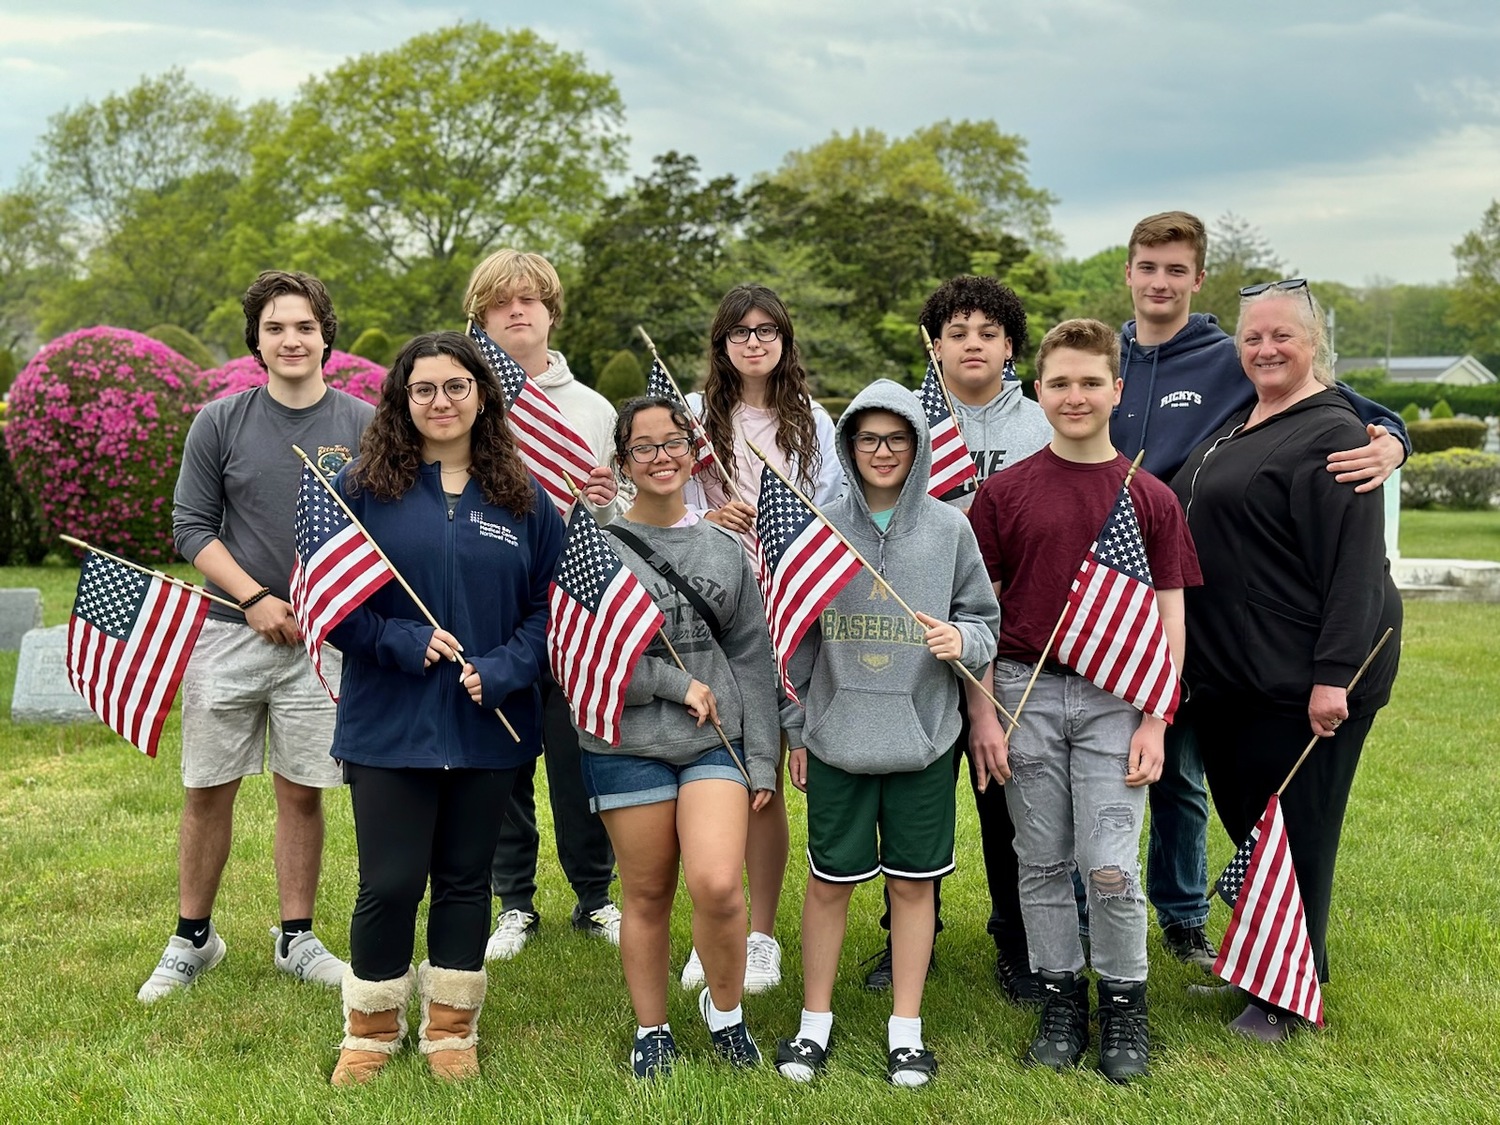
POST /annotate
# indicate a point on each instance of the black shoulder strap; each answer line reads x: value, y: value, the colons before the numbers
x: 659, y: 564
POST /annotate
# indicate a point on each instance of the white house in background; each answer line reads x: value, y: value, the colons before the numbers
x: 1455, y: 370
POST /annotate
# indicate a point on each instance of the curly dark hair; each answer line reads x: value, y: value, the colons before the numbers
x: 787, y: 388
x: 281, y: 283
x: 627, y: 419
x: 962, y: 295
x: 390, y: 453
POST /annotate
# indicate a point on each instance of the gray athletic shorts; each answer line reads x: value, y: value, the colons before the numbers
x: 245, y: 699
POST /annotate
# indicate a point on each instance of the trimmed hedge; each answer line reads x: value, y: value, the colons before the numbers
x: 373, y: 344
x: 1482, y: 401
x: 1464, y: 479
x: 22, y: 542
x: 1438, y: 434
x: 184, y: 343
x: 621, y: 379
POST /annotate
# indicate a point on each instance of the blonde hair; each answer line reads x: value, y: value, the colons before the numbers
x: 507, y: 272
x: 1092, y: 337
x: 1309, y: 315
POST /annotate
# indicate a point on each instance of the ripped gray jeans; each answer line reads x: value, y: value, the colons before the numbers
x: 1072, y: 809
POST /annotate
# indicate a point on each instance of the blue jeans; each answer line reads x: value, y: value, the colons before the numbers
x: 1177, y: 856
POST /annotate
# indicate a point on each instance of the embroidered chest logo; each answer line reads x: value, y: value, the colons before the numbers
x: 1179, y: 399
x: 494, y: 530
x: 332, y: 458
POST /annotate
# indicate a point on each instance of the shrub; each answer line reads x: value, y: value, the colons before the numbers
x: 350, y: 373
x: 1438, y: 434
x: 373, y: 344
x: 1456, y: 478
x: 8, y: 369
x: 1481, y: 400
x: 95, y: 431
x: 1441, y: 410
x: 22, y: 542
x: 184, y: 343
x: 835, y: 406
x: 1410, y: 413
x: 621, y: 379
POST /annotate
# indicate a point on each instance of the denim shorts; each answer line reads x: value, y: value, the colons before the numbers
x: 621, y: 781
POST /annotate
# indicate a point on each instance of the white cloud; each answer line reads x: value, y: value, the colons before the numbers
x: 61, y: 30
x: 266, y: 72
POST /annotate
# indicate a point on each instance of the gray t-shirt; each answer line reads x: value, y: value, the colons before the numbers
x: 239, y: 478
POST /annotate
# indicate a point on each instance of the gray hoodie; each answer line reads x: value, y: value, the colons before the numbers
x: 1008, y: 428
x: 876, y: 700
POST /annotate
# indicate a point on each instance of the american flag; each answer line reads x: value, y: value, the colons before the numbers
x: 1111, y: 632
x: 551, y: 448
x: 953, y: 471
x: 660, y: 384
x: 1232, y: 880
x: 802, y: 564
x: 337, y: 567
x: 129, y: 641
x: 602, y: 620
x: 1266, y: 950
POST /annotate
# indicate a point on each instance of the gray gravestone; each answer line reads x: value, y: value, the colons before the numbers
x: 20, y: 612
x: 43, y: 694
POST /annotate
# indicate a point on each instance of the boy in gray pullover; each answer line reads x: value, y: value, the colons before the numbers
x: 874, y: 748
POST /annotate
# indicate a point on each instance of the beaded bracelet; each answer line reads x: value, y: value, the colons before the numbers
x: 263, y: 592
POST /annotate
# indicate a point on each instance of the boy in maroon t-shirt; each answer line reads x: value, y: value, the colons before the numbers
x: 1078, y: 765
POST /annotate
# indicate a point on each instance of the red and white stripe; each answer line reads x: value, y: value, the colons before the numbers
x: 1113, y: 635
x: 551, y: 448
x: 340, y: 575
x: 814, y: 568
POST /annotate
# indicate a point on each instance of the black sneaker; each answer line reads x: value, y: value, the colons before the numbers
x: 1190, y: 945
x: 878, y: 979
x: 733, y: 1044
x: 653, y: 1054
x: 1063, y: 1034
x: 910, y: 1066
x: 1014, y: 976
x: 800, y: 1060
x: 1124, y: 1042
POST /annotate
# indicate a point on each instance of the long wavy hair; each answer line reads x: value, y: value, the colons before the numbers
x: 786, y: 390
x: 390, y: 453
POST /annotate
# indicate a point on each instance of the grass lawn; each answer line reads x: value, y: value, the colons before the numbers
x: 87, y: 890
x: 1450, y: 535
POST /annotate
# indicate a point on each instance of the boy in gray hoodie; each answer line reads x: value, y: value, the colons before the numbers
x: 874, y: 747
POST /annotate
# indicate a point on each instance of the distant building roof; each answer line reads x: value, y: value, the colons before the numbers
x: 1463, y: 370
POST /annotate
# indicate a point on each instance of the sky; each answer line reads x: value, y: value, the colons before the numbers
x: 1362, y: 137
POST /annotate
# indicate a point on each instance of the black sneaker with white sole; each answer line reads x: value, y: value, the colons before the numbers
x: 733, y: 1044
x: 653, y: 1054
x: 910, y: 1066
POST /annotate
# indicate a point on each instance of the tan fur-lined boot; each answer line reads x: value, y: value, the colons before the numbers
x: 374, y: 1025
x: 451, y: 999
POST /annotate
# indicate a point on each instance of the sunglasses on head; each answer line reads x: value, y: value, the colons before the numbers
x: 1290, y: 284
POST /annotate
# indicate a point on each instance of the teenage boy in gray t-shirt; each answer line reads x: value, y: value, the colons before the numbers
x: 249, y: 691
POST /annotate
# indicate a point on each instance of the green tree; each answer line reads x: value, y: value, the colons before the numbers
x: 457, y: 141
x: 1095, y: 287
x: 1238, y: 255
x: 185, y: 344
x: 1475, y: 306
x: 35, y: 258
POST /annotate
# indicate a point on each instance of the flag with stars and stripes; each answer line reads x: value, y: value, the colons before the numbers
x: 953, y: 471
x: 337, y: 567
x: 129, y: 640
x: 548, y: 444
x: 1266, y: 949
x: 601, y: 621
x: 1232, y: 880
x: 660, y: 384
x: 1111, y: 631
x: 802, y: 566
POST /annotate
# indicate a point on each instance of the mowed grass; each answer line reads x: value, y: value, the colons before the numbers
x: 87, y: 898
x: 1450, y: 535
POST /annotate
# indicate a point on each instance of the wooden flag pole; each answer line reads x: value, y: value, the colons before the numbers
x: 662, y: 633
x: 729, y: 486
x: 880, y: 578
x: 1037, y: 671
x: 70, y: 541
x: 431, y: 620
x: 1374, y: 652
x: 942, y: 382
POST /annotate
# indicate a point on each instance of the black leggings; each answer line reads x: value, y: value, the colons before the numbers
x: 410, y: 824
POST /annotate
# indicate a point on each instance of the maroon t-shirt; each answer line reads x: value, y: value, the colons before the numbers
x: 1035, y: 523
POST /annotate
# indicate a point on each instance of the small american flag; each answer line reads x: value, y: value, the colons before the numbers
x: 1230, y: 882
x: 1111, y: 631
x: 660, y: 384
x: 129, y: 641
x: 953, y: 471
x: 1266, y: 950
x: 336, y: 568
x: 602, y: 620
x: 802, y: 566
x: 551, y: 448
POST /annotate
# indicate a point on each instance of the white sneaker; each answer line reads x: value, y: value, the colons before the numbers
x: 513, y: 929
x: 308, y: 959
x: 181, y: 964
x: 692, y: 972
x: 762, y: 963
x: 604, y: 922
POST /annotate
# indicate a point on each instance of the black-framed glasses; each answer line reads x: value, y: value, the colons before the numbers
x: 645, y: 453
x: 455, y: 390
x: 898, y: 442
x: 1290, y: 284
x: 765, y: 333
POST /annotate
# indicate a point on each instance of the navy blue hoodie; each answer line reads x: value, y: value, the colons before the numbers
x: 1180, y: 391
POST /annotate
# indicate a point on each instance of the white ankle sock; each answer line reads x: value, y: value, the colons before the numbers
x: 902, y: 1032
x: 718, y: 1021
x: 641, y: 1030
x: 816, y: 1026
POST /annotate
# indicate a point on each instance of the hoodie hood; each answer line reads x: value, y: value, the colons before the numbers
x: 557, y: 373
x: 883, y: 394
x: 1201, y: 331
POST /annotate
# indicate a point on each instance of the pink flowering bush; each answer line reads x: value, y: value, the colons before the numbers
x: 95, y: 430
x: 352, y: 374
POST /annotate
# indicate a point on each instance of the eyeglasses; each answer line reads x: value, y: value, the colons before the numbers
x: 765, y: 333
x: 1291, y: 284
x: 898, y: 442
x: 456, y: 390
x: 645, y: 453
